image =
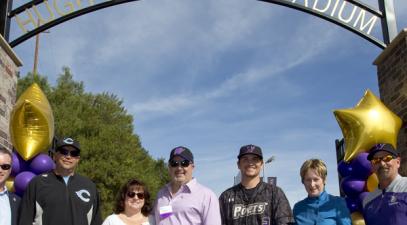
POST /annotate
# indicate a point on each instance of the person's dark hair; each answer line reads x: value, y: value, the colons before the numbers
x: 121, y: 197
x: 3, y: 150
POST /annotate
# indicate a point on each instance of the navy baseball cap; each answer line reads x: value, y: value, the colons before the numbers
x: 67, y: 141
x: 182, y: 152
x: 250, y: 149
x: 382, y: 147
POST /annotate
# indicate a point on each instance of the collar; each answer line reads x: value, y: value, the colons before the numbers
x: 53, y: 171
x: 57, y: 175
x: 393, y: 183
x: 190, y: 186
x: 4, y: 192
x: 257, y: 185
x: 323, y: 196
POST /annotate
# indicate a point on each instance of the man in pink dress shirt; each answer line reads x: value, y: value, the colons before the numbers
x: 184, y: 201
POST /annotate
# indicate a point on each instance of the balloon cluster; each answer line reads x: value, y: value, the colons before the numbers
x: 23, y: 171
x: 32, y: 131
x: 357, y: 179
x: 370, y: 122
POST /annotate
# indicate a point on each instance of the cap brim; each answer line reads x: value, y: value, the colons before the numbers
x: 249, y: 153
x: 181, y: 157
x: 59, y: 147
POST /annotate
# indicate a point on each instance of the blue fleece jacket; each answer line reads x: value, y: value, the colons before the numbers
x: 325, y: 209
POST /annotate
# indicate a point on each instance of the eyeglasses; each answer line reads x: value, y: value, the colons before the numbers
x: 386, y: 159
x: 5, y: 166
x: 132, y: 194
x: 65, y: 152
x: 183, y: 163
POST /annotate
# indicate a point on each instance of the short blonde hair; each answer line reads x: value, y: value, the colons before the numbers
x: 315, y: 164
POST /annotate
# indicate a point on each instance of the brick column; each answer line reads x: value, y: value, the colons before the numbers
x: 392, y: 74
x: 9, y: 65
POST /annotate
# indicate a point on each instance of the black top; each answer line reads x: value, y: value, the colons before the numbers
x: 14, y: 207
x: 266, y: 205
x: 49, y: 201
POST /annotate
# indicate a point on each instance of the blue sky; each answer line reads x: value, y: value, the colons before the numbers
x: 214, y: 75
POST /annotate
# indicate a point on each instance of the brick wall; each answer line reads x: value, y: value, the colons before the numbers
x: 9, y: 65
x: 392, y: 75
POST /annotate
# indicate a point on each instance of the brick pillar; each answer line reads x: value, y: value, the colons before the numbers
x: 392, y: 74
x: 9, y: 65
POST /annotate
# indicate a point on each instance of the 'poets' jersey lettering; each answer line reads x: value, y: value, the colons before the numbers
x: 240, y: 210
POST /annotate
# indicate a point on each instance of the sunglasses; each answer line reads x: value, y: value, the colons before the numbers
x: 5, y: 166
x: 183, y: 163
x: 132, y: 194
x: 386, y: 159
x: 74, y: 153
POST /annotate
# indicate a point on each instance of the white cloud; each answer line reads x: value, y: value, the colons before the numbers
x: 299, y: 52
x: 165, y: 105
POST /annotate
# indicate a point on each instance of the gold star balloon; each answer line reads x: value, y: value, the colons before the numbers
x: 31, y: 123
x: 369, y: 123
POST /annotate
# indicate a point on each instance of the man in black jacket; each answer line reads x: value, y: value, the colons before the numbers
x: 253, y: 202
x: 9, y: 202
x: 61, y: 197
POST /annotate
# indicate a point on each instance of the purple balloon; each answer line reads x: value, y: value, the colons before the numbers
x: 362, y: 168
x: 41, y: 163
x: 344, y: 169
x: 352, y: 186
x: 352, y: 204
x: 18, y: 165
x: 21, y: 181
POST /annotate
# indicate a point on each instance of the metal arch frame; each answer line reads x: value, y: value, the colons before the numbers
x: 387, y: 16
x: 59, y: 20
x: 5, y: 7
x: 389, y: 25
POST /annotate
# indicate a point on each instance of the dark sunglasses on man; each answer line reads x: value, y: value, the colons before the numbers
x: 183, y: 163
x: 65, y: 152
x: 377, y: 160
x: 5, y: 166
x: 132, y: 194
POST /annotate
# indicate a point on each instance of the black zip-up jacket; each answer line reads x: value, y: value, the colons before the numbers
x: 49, y: 201
x: 267, y: 206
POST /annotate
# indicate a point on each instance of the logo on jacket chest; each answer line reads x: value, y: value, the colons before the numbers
x: 84, y: 195
x: 240, y: 210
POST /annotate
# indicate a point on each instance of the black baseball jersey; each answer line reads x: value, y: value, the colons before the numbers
x: 49, y: 201
x: 266, y: 204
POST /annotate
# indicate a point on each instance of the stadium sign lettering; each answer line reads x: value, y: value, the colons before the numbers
x: 47, y: 11
x: 341, y: 10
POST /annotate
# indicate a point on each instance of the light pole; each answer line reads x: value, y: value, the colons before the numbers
x: 269, y: 160
x: 37, y: 43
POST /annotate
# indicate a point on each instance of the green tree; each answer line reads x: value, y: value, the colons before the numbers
x: 111, y: 151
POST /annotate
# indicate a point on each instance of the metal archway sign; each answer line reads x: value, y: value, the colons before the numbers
x: 36, y: 16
